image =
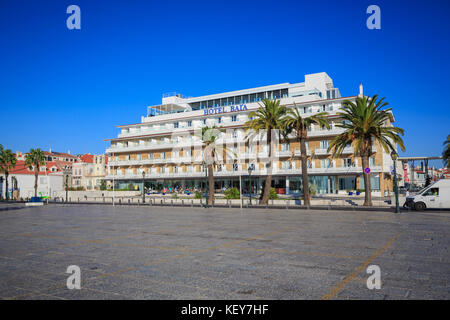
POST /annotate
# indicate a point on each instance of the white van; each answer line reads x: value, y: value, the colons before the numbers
x: 436, y: 195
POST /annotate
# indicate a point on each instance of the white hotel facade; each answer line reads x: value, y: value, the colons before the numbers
x: 164, y: 145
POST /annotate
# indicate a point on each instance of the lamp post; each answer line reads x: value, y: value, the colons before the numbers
x: 207, y: 186
x: 143, y: 186
x: 250, y: 169
x: 394, y: 157
x: 67, y: 189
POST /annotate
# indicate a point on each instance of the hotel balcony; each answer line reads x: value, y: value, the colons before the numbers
x: 236, y: 173
x: 154, y: 146
x: 298, y: 153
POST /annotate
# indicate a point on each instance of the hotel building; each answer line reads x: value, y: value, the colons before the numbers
x: 163, y: 145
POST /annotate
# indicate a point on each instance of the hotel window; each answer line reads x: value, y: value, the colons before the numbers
x: 233, y: 118
x: 276, y: 94
x: 284, y: 93
x: 189, y: 168
x: 252, y: 166
x: 176, y: 125
x: 235, y: 167
x: 285, y: 147
x: 260, y: 96
x: 204, y: 121
x: 253, y: 97
x: 285, y: 165
x: 163, y: 155
x: 325, y: 163
x: 230, y: 101
x: 150, y: 155
x: 308, y: 163
x: 324, y: 144
x: 347, y: 162
x: 372, y: 162
x: 189, y: 123
x: 219, y: 120
x: 138, y: 157
x: 235, y: 133
x: 163, y: 169
x: 175, y: 169
x: 237, y: 100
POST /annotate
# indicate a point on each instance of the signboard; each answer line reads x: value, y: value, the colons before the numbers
x: 367, y: 170
x: 218, y: 110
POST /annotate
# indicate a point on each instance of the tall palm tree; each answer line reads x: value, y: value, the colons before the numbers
x: 268, y: 117
x: 295, y: 123
x: 446, y: 152
x: 212, y: 150
x: 7, y: 163
x: 35, y: 158
x: 365, y: 123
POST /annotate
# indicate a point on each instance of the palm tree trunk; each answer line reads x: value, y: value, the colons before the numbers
x: 35, y: 182
x: 268, y: 183
x: 6, y: 185
x: 367, y: 192
x: 211, y: 184
x: 305, y: 183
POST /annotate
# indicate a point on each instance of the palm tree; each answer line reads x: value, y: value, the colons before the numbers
x: 35, y: 159
x: 210, y: 135
x: 365, y: 124
x: 446, y: 152
x: 7, y: 163
x: 268, y: 117
x: 295, y: 123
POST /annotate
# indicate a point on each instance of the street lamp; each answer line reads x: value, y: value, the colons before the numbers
x: 67, y: 189
x: 143, y: 186
x: 250, y: 169
x: 394, y: 157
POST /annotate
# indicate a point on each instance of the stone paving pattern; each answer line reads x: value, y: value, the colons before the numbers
x: 220, y: 253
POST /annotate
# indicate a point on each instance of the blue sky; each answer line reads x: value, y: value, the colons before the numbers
x: 68, y: 89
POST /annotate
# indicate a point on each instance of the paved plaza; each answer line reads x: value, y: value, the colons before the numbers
x: 131, y: 252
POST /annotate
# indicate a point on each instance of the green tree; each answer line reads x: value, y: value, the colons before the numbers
x: 298, y: 125
x: 232, y: 193
x: 102, y: 185
x: 7, y: 163
x: 366, y: 123
x: 269, y: 116
x: 35, y: 159
x: 446, y: 152
x: 211, y: 152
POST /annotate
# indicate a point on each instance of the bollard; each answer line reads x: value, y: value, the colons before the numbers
x: 120, y: 201
x: 287, y: 204
x: 182, y: 202
x: 128, y: 201
x: 139, y: 202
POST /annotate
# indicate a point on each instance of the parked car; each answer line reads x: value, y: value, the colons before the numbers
x: 435, y: 196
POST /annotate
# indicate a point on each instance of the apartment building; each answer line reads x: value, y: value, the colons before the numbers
x: 164, y: 149
x: 89, y: 171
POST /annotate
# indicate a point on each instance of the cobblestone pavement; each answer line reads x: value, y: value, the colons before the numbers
x: 196, y: 253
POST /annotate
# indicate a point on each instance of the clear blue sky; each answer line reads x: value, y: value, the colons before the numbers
x: 68, y: 89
